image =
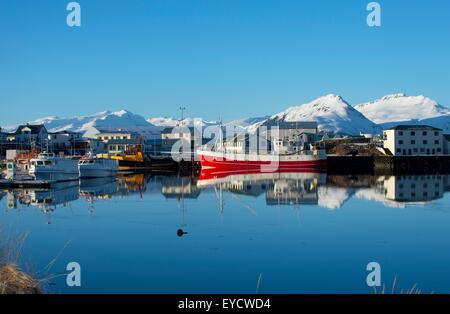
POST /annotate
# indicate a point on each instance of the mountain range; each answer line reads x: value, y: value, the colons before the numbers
x: 332, y: 113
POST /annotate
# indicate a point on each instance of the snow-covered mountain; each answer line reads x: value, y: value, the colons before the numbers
x: 111, y: 121
x: 332, y: 113
x: 398, y: 109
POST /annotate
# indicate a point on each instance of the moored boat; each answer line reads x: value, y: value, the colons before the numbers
x: 315, y: 161
x: 48, y: 167
x: 98, y: 167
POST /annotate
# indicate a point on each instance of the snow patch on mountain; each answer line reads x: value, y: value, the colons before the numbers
x: 399, y: 109
x: 106, y: 120
x: 332, y: 113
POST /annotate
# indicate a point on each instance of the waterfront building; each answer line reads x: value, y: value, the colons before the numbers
x: 3, y: 137
x: 447, y: 144
x: 30, y: 136
x: 107, y: 136
x: 290, y: 131
x: 172, y: 135
x: 414, y: 140
x: 119, y: 147
x: 64, y: 142
x: 85, y: 146
x: 119, y: 142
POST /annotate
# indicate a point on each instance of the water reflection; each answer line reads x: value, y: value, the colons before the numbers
x: 45, y: 199
x: 288, y: 189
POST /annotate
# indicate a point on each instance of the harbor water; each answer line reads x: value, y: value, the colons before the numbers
x: 289, y: 233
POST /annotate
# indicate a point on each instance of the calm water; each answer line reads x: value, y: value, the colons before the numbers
x: 301, y: 233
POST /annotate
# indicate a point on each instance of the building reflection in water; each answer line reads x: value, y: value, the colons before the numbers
x: 277, y: 188
x: 415, y: 189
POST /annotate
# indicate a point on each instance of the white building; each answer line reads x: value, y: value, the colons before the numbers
x: 64, y: 140
x: 413, y: 140
x: 119, y: 142
x: 447, y: 144
x: 106, y: 136
x: 170, y: 136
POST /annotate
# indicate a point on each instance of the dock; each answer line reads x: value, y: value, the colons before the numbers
x: 25, y: 184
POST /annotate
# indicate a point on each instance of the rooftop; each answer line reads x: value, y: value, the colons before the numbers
x: 64, y: 132
x: 119, y: 142
x: 35, y: 129
x: 414, y: 127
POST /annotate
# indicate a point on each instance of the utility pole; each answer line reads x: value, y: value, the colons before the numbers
x: 182, y: 109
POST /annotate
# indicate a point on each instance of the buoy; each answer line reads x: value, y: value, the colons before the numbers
x: 181, y: 232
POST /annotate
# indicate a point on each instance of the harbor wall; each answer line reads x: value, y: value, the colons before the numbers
x: 394, y: 165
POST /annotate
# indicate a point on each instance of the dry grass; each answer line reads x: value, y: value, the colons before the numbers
x: 413, y: 290
x: 12, y: 279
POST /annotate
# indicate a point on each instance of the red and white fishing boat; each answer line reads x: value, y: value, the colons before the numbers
x: 284, y: 157
x: 227, y: 161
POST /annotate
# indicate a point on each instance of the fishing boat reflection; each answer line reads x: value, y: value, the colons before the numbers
x: 179, y: 187
x: 99, y: 188
x: 279, y: 188
x: 48, y: 199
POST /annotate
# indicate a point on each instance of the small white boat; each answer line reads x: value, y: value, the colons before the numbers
x: 48, y: 167
x: 98, y: 167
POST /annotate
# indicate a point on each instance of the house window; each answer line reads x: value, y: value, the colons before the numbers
x: 439, y: 150
x: 436, y: 142
x: 400, y: 133
x: 425, y: 142
x: 399, y: 150
x: 400, y: 142
x: 413, y: 133
x: 425, y: 133
x: 413, y: 142
x: 436, y: 133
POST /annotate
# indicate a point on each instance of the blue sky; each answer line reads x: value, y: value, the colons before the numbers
x: 228, y: 58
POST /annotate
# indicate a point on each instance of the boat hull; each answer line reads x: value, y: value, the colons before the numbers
x: 97, y: 173
x: 149, y: 164
x: 263, y: 163
x: 58, y: 176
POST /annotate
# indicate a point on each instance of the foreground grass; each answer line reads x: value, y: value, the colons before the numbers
x: 12, y: 279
